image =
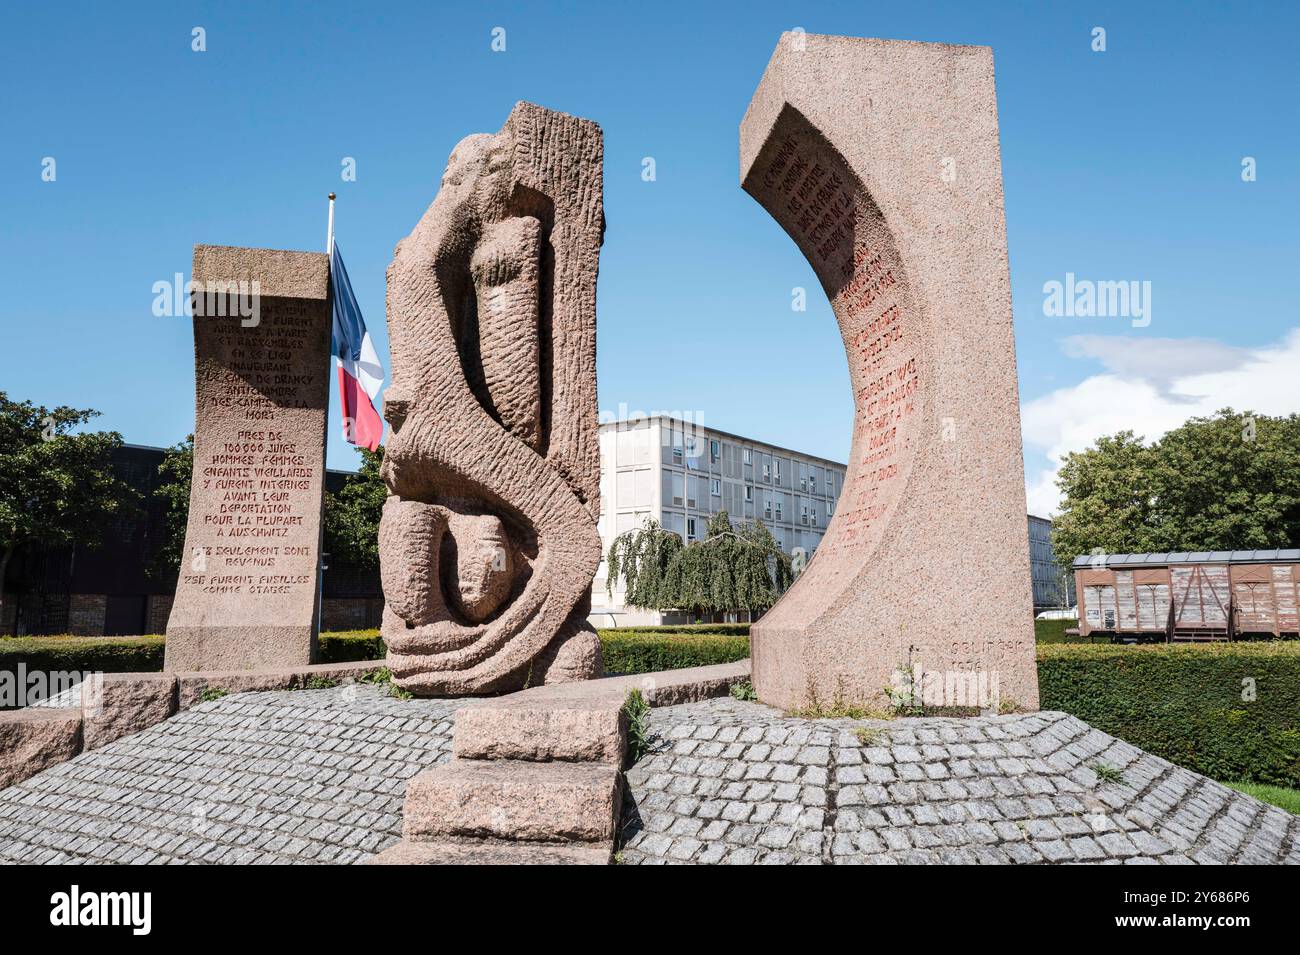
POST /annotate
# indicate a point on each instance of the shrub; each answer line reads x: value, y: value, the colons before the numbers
x: 644, y: 651
x: 637, y: 711
x: 348, y: 646
x: 728, y: 629
x: 1188, y: 704
x: 96, y: 654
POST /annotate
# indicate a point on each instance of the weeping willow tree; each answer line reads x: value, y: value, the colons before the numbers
x: 732, y: 568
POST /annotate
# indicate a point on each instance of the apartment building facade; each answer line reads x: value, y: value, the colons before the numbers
x: 681, y: 473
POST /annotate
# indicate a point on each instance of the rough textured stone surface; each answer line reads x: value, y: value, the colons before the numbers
x: 192, y: 685
x: 738, y: 783
x: 483, y: 852
x: 247, y: 592
x: 488, y: 540
x: 537, y: 731
x: 125, y: 703
x: 506, y: 799
x: 881, y: 160
x: 664, y: 688
x: 310, y: 776
x: 36, y: 738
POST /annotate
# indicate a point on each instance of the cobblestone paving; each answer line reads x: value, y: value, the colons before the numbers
x: 286, y: 776
x: 738, y: 783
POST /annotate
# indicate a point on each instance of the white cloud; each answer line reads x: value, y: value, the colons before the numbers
x: 1151, y: 386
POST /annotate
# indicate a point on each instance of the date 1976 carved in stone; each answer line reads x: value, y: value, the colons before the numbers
x: 488, y: 541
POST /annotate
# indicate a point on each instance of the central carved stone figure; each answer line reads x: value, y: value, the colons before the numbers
x: 488, y: 541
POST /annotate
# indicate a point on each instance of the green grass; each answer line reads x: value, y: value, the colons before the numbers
x: 1107, y: 773
x: 637, y: 710
x: 1053, y: 631
x: 1288, y: 799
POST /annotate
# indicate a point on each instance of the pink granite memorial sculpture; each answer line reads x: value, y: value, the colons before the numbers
x: 488, y: 541
x: 881, y: 160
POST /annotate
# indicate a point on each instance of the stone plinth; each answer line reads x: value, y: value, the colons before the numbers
x: 881, y: 160
x: 247, y: 593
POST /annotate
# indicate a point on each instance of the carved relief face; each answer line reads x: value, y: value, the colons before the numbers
x: 479, y: 173
x: 481, y: 565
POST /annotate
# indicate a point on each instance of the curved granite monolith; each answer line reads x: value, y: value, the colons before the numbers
x: 880, y: 159
x: 488, y: 541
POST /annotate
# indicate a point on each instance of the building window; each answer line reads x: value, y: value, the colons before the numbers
x: 715, y: 451
x: 715, y: 487
x: 677, y: 455
x: 748, y: 456
x: 830, y: 508
x: 778, y: 510
x: 690, y: 528
x: 803, y: 514
x: 767, y: 510
x: 812, y: 512
x: 767, y: 472
x: 776, y: 471
x: 749, y: 493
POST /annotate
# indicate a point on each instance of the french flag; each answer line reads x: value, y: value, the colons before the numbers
x: 360, y: 374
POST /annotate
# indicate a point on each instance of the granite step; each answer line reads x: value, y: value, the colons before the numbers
x: 515, y: 800
x: 486, y: 852
x: 577, y: 730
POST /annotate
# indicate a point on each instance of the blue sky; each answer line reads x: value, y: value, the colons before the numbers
x: 1122, y: 165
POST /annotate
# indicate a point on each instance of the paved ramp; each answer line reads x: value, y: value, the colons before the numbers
x: 305, y: 776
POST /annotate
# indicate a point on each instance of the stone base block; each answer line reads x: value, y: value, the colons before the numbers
x: 36, y: 738
x: 238, y: 648
x: 126, y: 703
x: 192, y: 685
x: 573, y: 731
x: 445, y: 852
x: 512, y: 799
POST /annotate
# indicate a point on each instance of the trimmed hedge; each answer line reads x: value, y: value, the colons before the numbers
x: 631, y: 650
x: 94, y: 654
x: 1181, y: 702
x: 145, y: 654
x: 1184, y: 702
x: 723, y: 629
x: 348, y: 646
x: 627, y: 649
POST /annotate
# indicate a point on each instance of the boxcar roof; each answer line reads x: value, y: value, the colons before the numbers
x: 1098, y: 561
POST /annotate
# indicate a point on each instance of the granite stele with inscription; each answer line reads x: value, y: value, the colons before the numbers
x: 247, y: 594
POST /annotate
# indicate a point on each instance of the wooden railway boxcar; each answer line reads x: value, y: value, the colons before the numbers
x: 1201, y: 595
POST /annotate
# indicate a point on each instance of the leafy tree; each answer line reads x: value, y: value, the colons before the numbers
x: 58, y: 486
x: 352, y: 515
x: 1226, y: 482
x: 732, y: 568
x: 176, y: 469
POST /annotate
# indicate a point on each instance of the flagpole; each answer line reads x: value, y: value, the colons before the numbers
x: 329, y: 236
x: 321, y: 566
